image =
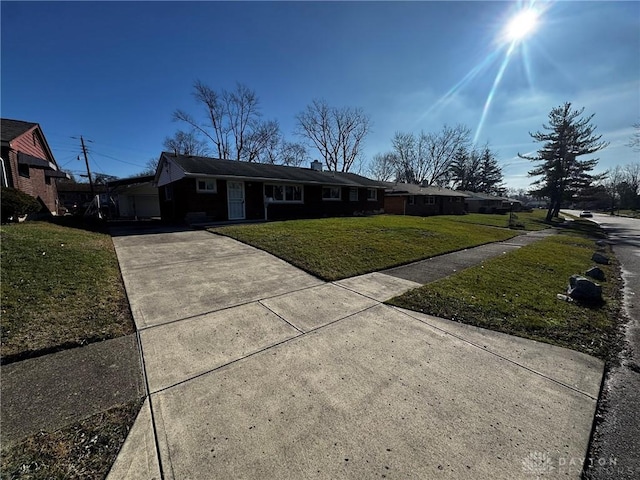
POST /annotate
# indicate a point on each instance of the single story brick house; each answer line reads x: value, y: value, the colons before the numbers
x: 202, y: 189
x: 27, y: 163
x: 477, y: 202
x: 411, y: 199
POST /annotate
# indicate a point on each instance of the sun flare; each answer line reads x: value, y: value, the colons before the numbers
x: 521, y: 25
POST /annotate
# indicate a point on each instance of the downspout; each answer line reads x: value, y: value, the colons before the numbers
x: 4, y: 174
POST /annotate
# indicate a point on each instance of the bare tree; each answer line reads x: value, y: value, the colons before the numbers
x: 612, y: 183
x: 186, y: 143
x: 261, y: 144
x: 634, y: 140
x: 292, y: 153
x: 427, y: 158
x: 383, y: 166
x: 150, y: 167
x: 233, y: 121
x: 337, y: 133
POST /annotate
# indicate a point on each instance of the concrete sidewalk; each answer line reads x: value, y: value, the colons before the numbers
x: 258, y: 370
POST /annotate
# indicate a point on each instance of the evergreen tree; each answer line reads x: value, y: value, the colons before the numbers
x: 489, y: 174
x: 561, y: 174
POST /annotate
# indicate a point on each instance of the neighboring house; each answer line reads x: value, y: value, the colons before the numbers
x: 410, y: 199
x: 477, y: 202
x: 27, y: 163
x: 135, y: 197
x: 200, y: 189
x: 77, y: 196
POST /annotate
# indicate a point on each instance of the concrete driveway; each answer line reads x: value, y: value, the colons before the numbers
x: 258, y: 370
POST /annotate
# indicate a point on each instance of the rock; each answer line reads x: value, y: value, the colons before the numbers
x: 584, y: 290
x: 595, y: 273
x: 599, y: 258
x: 601, y: 243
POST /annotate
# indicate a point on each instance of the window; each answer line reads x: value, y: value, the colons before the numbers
x: 206, y: 185
x: 168, y: 193
x: 353, y: 194
x: 412, y: 200
x: 284, y: 193
x: 430, y: 200
x: 331, y: 193
x: 372, y: 194
x: 47, y: 180
x: 23, y: 170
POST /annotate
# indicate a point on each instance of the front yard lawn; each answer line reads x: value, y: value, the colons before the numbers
x: 516, y: 294
x: 336, y: 248
x: 530, y: 221
x: 61, y: 287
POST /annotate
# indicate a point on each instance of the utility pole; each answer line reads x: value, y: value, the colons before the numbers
x: 86, y: 161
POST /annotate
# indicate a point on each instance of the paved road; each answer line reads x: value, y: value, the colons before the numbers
x: 255, y: 369
x: 616, y: 445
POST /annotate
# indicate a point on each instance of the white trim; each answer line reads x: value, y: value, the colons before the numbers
x: 206, y: 190
x: 284, y: 186
x: 244, y: 212
x: 332, y: 199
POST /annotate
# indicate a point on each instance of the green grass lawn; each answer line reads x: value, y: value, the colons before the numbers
x: 61, y: 287
x: 516, y: 293
x: 529, y: 221
x: 335, y: 248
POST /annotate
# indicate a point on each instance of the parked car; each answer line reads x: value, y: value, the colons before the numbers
x: 586, y: 214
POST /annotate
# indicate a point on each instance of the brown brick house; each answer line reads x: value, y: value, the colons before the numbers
x: 410, y: 199
x: 208, y: 189
x: 27, y: 162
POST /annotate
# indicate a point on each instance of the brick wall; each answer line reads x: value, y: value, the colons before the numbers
x: 35, y: 184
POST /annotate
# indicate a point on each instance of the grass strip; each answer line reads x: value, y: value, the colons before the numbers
x: 336, y: 248
x: 61, y: 287
x: 516, y: 294
x: 84, y: 450
x: 529, y: 221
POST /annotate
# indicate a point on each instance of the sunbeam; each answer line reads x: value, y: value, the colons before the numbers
x: 492, y: 92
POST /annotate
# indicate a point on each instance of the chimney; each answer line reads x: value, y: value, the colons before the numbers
x: 316, y: 165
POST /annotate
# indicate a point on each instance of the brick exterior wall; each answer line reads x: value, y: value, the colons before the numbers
x: 35, y: 184
x: 400, y: 205
x: 185, y: 199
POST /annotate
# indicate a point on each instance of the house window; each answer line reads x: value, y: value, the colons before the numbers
x: 353, y: 194
x: 23, y: 170
x: 47, y: 180
x: 331, y: 193
x: 284, y: 193
x: 206, y: 185
x: 372, y: 194
x: 168, y: 193
x: 429, y: 200
x: 412, y: 200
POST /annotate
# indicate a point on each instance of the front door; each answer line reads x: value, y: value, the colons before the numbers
x: 235, y: 199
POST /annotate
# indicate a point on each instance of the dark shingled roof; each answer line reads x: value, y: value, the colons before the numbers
x: 412, y: 189
x: 194, y: 166
x: 11, y: 129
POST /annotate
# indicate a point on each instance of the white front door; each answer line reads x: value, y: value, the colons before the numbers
x: 235, y: 199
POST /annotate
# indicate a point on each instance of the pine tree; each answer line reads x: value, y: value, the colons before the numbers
x: 561, y: 174
x: 489, y: 174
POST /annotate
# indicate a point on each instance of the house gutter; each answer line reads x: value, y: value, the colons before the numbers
x: 274, y: 180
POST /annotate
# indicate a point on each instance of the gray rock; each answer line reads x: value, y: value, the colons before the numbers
x: 584, y: 290
x: 595, y: 273
x: 601, y: 243
x: 599, y: 258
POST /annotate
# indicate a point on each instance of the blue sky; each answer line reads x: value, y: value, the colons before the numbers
x: 114, y: 72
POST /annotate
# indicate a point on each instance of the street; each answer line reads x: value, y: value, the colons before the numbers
x: 615, y: 450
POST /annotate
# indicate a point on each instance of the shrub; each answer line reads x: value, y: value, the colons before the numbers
x: 15, y: 203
